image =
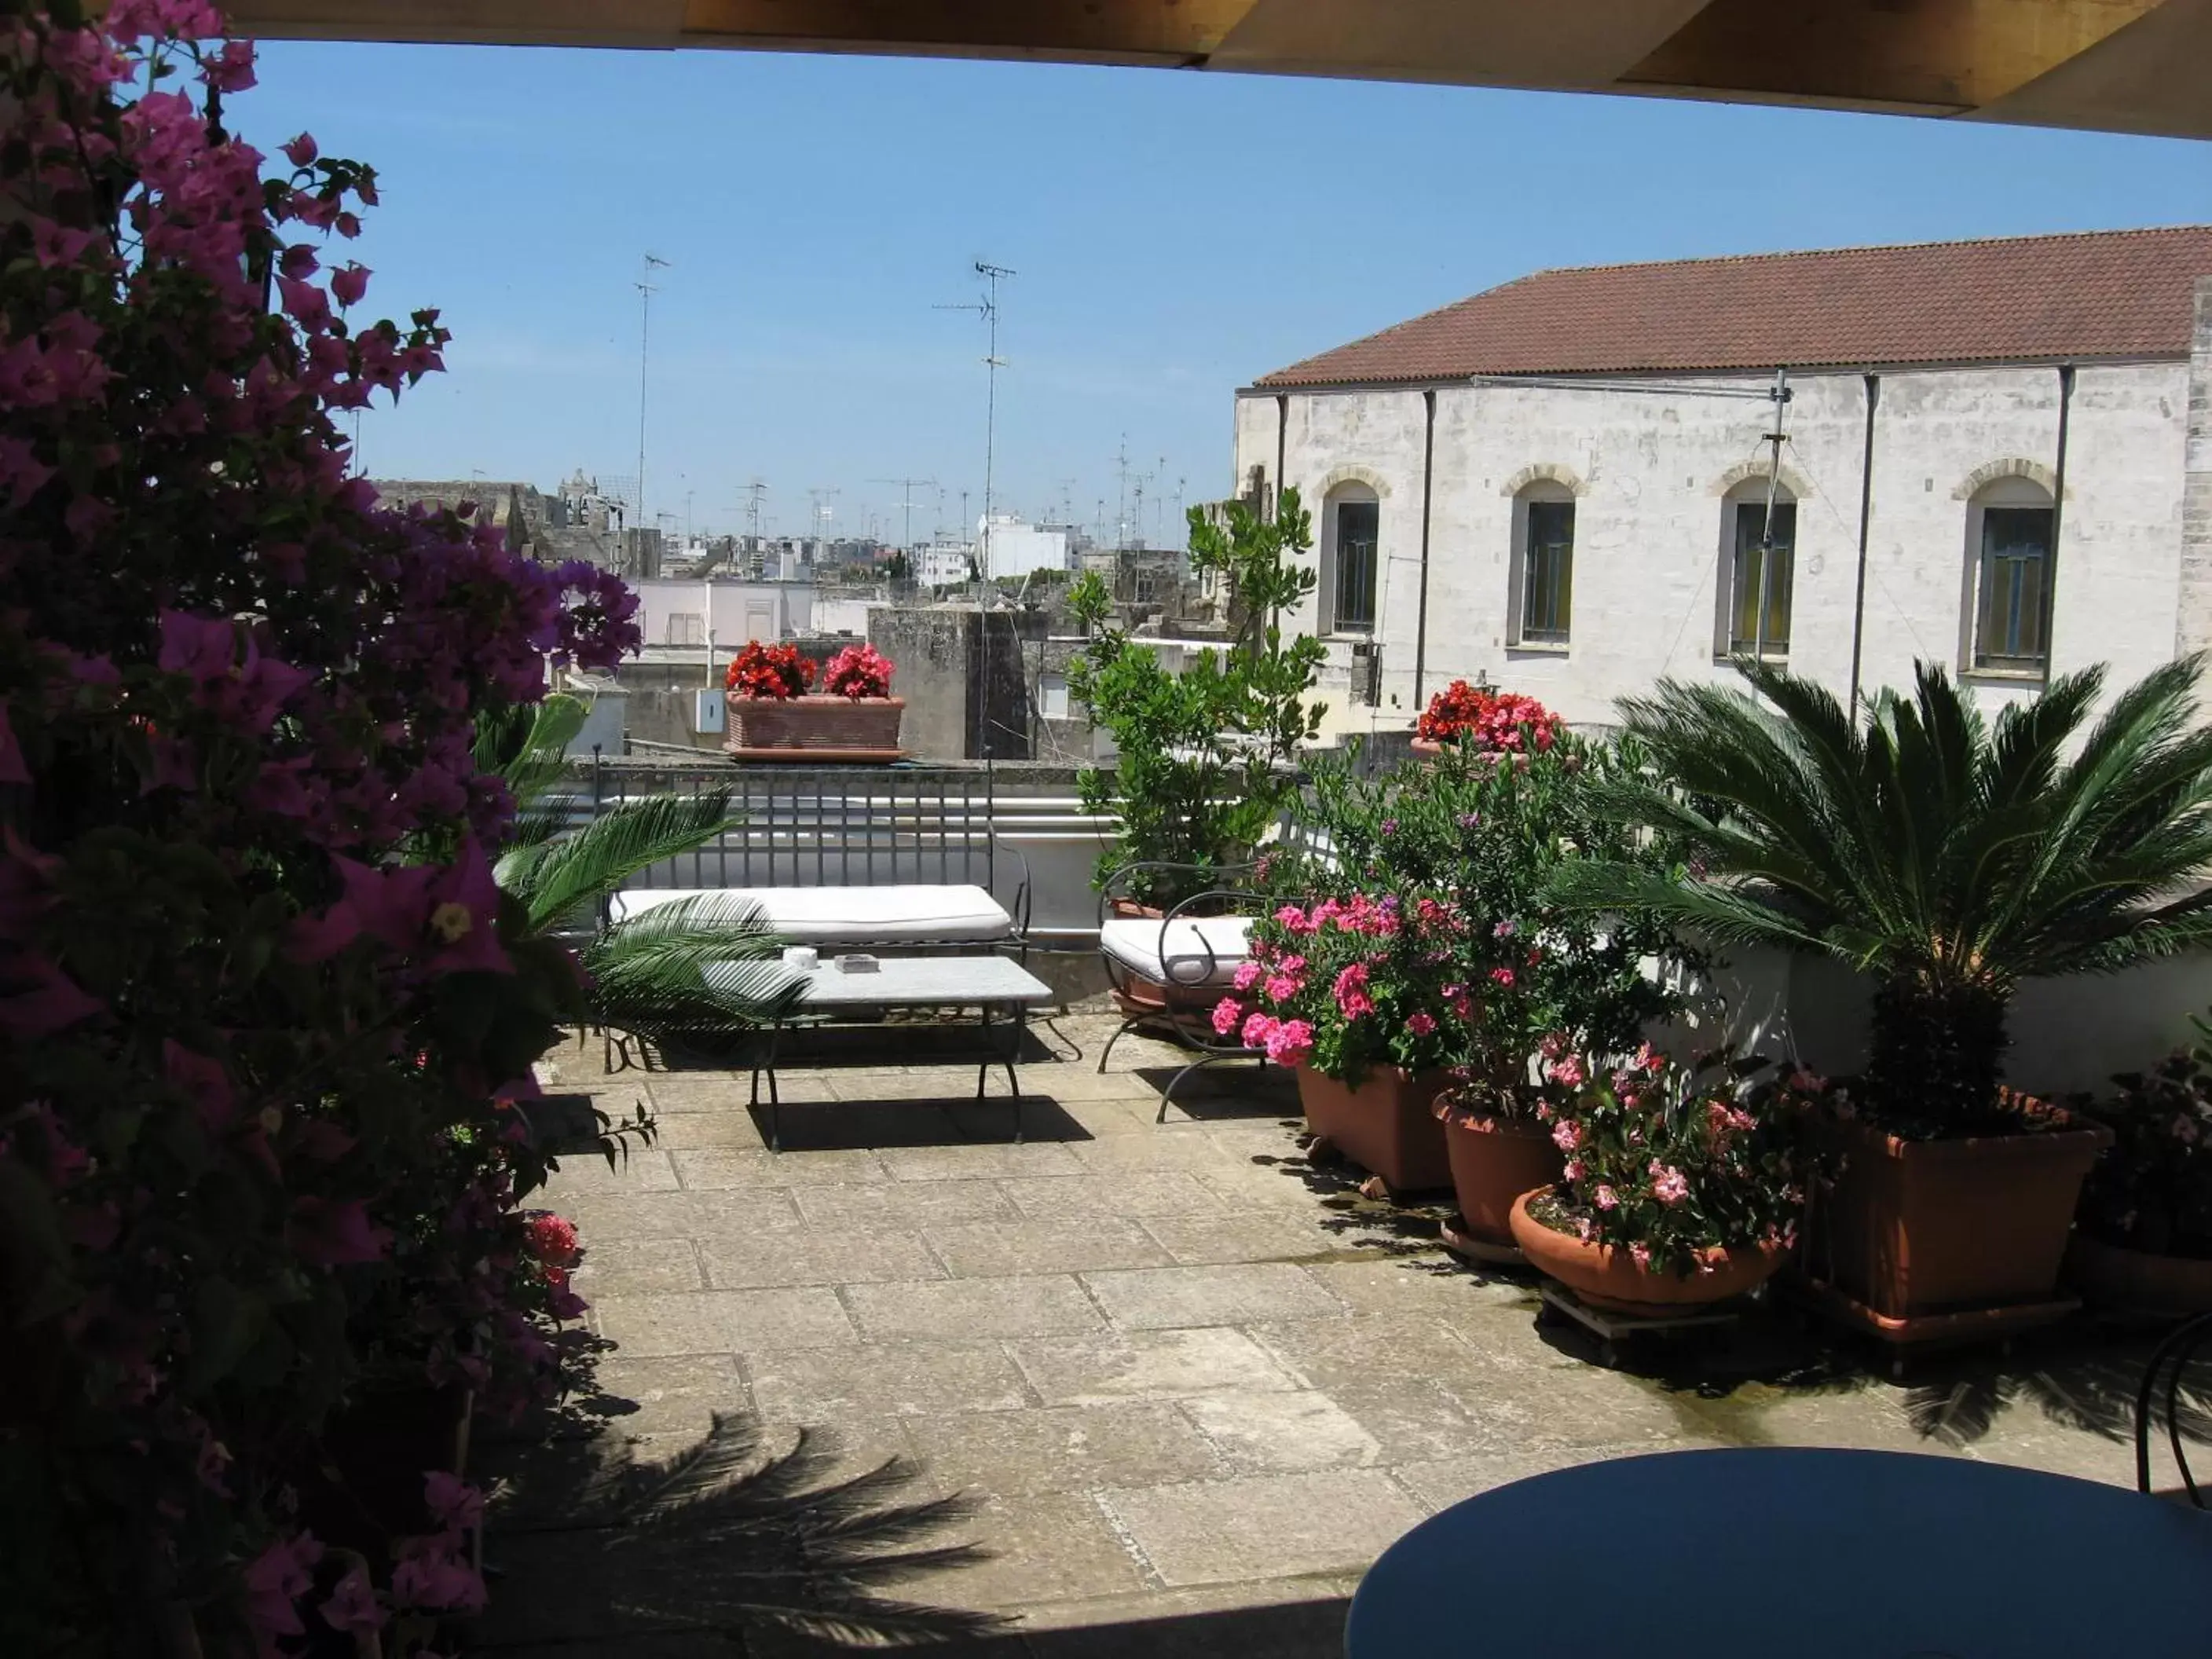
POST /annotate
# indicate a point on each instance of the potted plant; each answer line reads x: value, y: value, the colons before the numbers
x: 2143, y: 1237
x: 1357, y: 995
x: 1483, y: 721
x: 773, y: 717
x: 1681, y: 1186
x: 1950, y: 858
x: 1207, y: 757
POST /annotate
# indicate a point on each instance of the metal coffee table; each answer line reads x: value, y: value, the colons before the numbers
x: 1002, y: 991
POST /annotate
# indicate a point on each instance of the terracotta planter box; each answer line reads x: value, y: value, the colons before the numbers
x: 1387, y: 1125
x: 1607, y: 1278
x: 1926, y: 1229
x: 2111, y: 1276
x: 843, y: 728
x: 1492, y: 1166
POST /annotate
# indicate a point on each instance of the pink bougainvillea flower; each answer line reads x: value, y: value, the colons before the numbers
x: 348, y: 283
x: 202, y: 1078
x: 302, y: 151
x: 37, y: 999
x: 331, y: 1233
x: 552, y: 1240
x: 351, y: 1604
x: 13, y: 769
x: 1421, y: 1024
x: 277, y: 1578
x: 230, y: 69
x: 432, y: 1574
x: 454, y: 1504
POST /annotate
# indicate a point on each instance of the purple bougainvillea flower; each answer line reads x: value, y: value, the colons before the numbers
x: 331, y: 1233
x: 202, y: 1078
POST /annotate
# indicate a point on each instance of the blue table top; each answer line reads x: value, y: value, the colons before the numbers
x: 1791, y: 1553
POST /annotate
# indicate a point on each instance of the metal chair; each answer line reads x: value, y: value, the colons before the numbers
x: 1194, y: 969
x: 2172, y: 1359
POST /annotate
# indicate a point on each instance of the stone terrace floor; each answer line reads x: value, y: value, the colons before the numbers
x: 1195, y: 1384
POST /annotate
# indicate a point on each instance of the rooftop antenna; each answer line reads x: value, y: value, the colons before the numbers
x: 987, y: 307
x: 906, y: 487
x: 646, y: 289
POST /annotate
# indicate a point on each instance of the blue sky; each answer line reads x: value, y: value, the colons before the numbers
x: 1176, y: 236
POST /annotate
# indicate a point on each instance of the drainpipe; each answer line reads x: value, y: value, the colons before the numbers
x: 2057, y: 517
x: 1428, y: 473
x: 1866, y: 524
x: 1282, y: 444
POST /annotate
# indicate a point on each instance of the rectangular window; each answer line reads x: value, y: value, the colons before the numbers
x: 1548, y: 574
x: 1358, y: 530
x: 2009, y: 621
x: 1752, y: 576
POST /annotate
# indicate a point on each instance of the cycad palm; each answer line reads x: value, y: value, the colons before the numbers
x: 1948, y: 856
x: 648, y: 974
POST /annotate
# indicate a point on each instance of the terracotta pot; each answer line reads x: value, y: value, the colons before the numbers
x: 1910, y: 1229
x: 846, y: 725
x: 1387, y: 1125
x: 1493, y: 1166
x: 2111, y: 1276
x: 1432, y: 747
x: 1608, y: 1277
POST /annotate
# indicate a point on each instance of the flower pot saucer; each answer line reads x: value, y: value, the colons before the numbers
x: 1470, y: 1247
x: 1914, y: 1335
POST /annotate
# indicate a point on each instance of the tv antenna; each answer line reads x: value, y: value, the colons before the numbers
x: 646, y: 289
x: 906, y: 487
x: 987, y: 308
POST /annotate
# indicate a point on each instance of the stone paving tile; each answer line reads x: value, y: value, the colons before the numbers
x: 644, y: 1169
x: 1137, y: 1194
x: 1065, y: 1448
x: 1026, y: 1158
x: 1413, y: 1418
x: 603, y: 1217
x: 891, y: 1379
x: 1031, y: 1304
x: 1268, y: 1236
x: 679, y: 1092
x: 1167, y: 1298
x: 723, y: 1321
x: 863, y: 1207
x: 1572, y: 1404
x: 932, y: 1083
x: 1429, y: 1285
x: 1144, y: 1365
x: 1263, y: 1433
x: 1293, y: 1182
x: 620, y: 1266
x: 1366, y: 1348
x: 814, y: 1255
x: 1049, y: 1547
x: 979, y: 1249
x: 1165, y: 1151
x: 1265, y: 1526
x: 691, y: 1131
x: 708, y: 1170
x: 676, y: 1395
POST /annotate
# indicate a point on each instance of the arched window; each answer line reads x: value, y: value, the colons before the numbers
x: 2009, y: 527
x: 1351, y: 525
x: 1542, y: 566
x: 1758, y: 569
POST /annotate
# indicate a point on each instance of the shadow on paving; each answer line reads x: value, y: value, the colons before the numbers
x: 761, y: 1546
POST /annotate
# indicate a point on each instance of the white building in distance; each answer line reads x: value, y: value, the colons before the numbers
x: 1015, y: 547
x: 1998, y: 457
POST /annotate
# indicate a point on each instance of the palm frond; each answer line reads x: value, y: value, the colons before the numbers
x: 703, y: 969
x: 578, y: 869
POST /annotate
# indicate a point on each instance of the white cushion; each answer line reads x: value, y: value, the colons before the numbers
x: 850, y: 915
x: 1135, y: 943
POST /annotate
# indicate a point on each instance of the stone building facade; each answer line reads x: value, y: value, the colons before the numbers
x: 1997, y: 456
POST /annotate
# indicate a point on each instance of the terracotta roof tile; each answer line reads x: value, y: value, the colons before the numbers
x: 2106, y: 293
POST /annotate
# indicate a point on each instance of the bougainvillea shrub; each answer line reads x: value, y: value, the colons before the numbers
x: 769, y: 671
x: 263, y: 1010
x: 857, y: 671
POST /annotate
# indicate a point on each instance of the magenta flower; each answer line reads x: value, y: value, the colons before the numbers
x: 277, y: 1577
x: 433, y: 1574
x: 1641, y: 1253
x: 1605, y: 1198
x: 1567, y: 1071
x: 1566, y: 1134
x: 332, y: 1233
x: 351, y: 1604
x: 454, y: 1504
x: 1502, y: 976
x: 1228, y: 1014
x: 1421, y: 1024
x: 1246, y: 975
x: 1283, y: 988
x: 1290, y: 1043
x: 1504, y: 930
x: 1573, y: 1170
x: 201, y: 1078
x: 1668, y: 1184
x: 1257, y: 1030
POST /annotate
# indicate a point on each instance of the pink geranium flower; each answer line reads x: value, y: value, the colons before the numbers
x: 1421, y: 1024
